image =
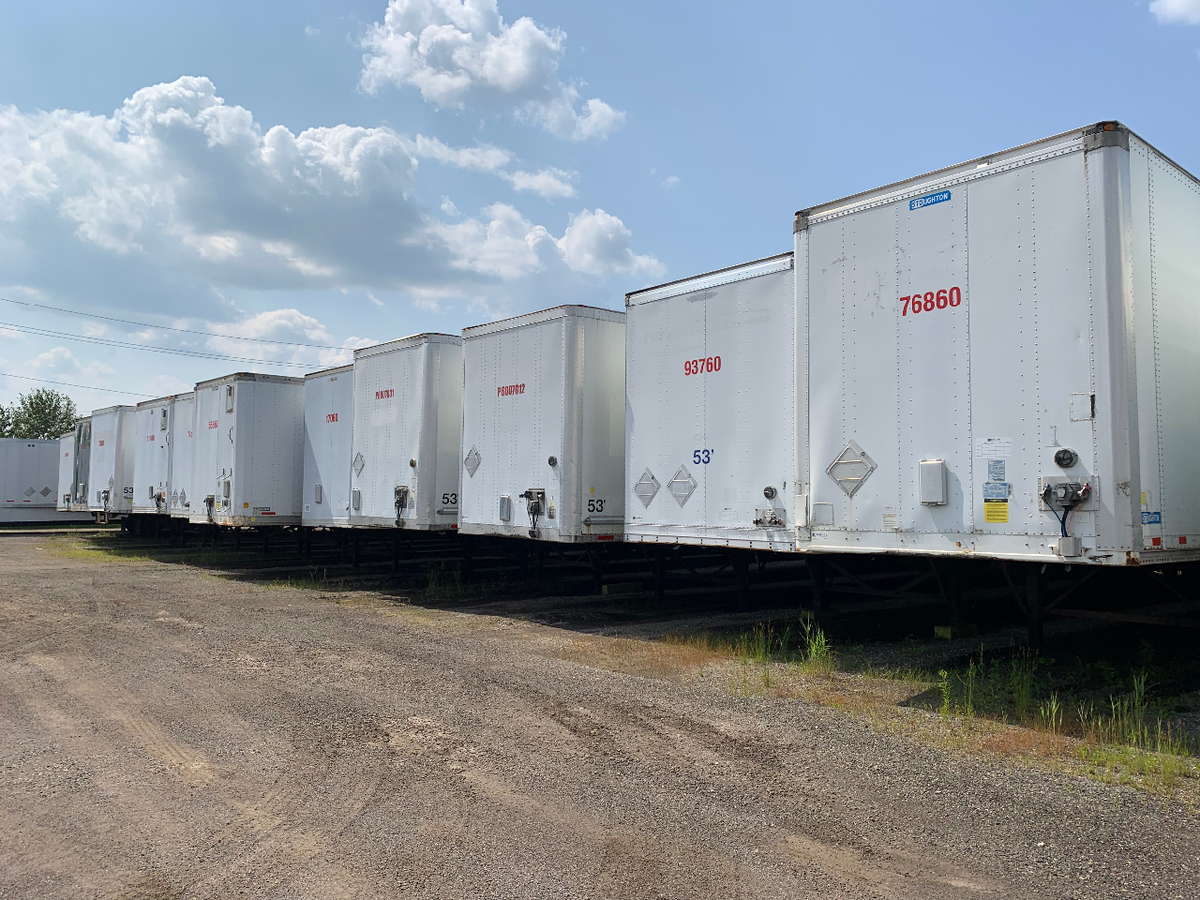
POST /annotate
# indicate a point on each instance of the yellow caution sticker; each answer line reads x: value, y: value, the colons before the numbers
x: 995, y: 511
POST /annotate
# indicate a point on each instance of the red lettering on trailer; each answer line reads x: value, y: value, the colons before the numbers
x: 700, y: 366
x: 385, y: 395
x: 508, y: 390
x: 331, y: 417
x: 214, y: 424
x: 149, y: 437
x: 929, y: 301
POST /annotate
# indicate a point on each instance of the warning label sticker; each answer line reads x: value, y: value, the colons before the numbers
x: 995, y: 511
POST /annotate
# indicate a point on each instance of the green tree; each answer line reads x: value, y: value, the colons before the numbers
x: 41, y: 414
x: 6, y: 421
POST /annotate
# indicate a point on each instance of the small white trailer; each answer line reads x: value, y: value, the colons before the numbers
x: 29, y: 472
x: 110, y: 469
x: 710, y: 429
x: 152, y: 457
x: 66, y: 471
x: 249, y: 451
x: 181, y: 449
x: 543, y: 426
x: 408, y: 417
x: 328, y: 422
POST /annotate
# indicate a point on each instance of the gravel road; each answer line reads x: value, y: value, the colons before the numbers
x: 165, y: 733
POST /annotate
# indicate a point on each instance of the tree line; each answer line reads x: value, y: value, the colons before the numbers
x: 42, y: 414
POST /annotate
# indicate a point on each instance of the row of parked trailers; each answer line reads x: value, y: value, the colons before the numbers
x: 998, y: 359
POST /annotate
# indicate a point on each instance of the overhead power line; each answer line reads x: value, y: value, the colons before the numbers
x: 86, y: 387
x: 88, y: 315
x: 127, y: 345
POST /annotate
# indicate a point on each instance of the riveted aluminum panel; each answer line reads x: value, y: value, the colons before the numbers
x: 549, y: 384
x: 182, y: 450
x: 66, y: 471
x: 81, y: 464
x: 29, y: 477
x: 249, y: 459
x: 1165, y: 234
x: 152, y: 456
x: 1057, y: 342
x: 328, y: 433
x: 710, y: 407
x: 407, y: 409
x: 111, y: 461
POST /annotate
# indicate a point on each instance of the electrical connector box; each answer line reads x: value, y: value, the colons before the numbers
x: 1068, y: 484
x: 932, y: 479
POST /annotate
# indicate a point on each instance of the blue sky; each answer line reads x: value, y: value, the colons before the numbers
x: 338, y: 174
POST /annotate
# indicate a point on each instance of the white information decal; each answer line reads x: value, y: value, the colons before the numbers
x: 994, y: 448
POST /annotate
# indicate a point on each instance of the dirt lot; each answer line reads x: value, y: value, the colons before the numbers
x: 165, y: 733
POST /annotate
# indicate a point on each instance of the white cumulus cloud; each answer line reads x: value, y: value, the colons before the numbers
x: 462, y: 52
x: 177, y: 196
x: 599, y: 244
x: 549, y: 182
x: 1185, y: 12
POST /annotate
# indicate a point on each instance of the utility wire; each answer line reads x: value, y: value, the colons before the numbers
x: 75, y: 312
x: 108, y: 342
x: 86, y: 387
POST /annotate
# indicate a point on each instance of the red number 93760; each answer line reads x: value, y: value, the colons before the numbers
x: 700, y: 366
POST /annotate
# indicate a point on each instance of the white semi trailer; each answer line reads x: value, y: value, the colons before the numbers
x: 110, y: 462
x: 543, y: 426
x: 181, y: 448
x: 328, y: 421
x: 249, y: 451
x: 408, y: 419
x: 152, y: 457
x: 29, y: 476
x: 994, y: 360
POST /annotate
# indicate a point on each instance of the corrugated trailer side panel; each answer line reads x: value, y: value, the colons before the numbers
x: 448, y: 424
x: 66, y: 471
x: 596, y: 496
x: 1165, y: 236
x: 182, y: 450
x: 328, y: 427
x: 81, y: 464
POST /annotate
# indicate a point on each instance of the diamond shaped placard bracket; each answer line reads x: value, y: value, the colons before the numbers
x: 851, y: 468
x: 682, y: 485
x: 646, y: 488
x: 358, y: 464
x: 472, y: 461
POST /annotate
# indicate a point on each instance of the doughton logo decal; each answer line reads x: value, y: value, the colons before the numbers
x: 507, y: 390
x: 929, y: 200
